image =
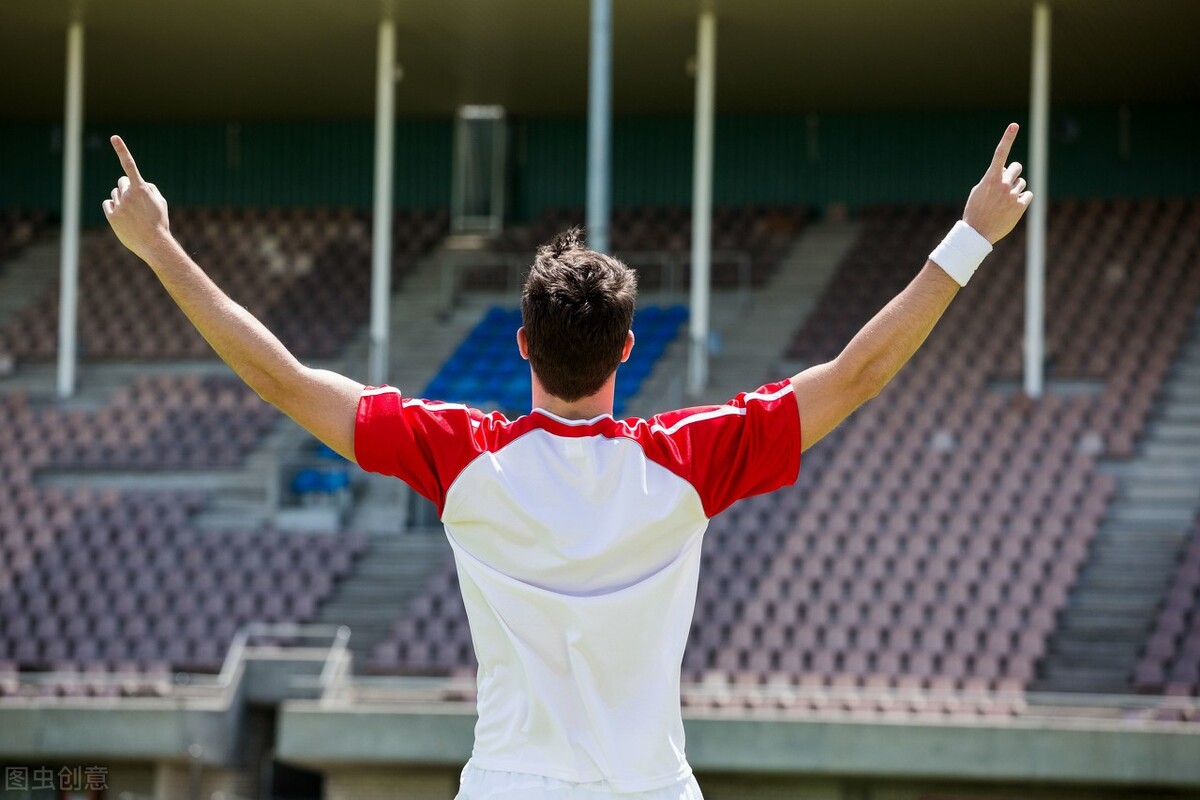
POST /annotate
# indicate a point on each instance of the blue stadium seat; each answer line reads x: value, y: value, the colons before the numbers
x: 487, y: 371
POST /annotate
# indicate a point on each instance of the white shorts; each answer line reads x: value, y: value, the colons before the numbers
x: 486, y: 784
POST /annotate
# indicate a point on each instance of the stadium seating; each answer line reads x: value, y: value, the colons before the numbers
x: 1171, y: 661
x: 97, y: 581
x: 486, y: 370
x: 125, y: 580
x: 162, y: 422
x: 304, y: 272
x: 932, y: 540
x: 759, y: 234
x: 18, y: 229
x: 929, y: 543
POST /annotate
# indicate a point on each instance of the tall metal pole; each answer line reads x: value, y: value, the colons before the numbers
x: 1035, y: 243
x: 381, y: 238
x: 706, y: 57
x: 68, y: 300
x: 599, y: 171
x: 72, y: 169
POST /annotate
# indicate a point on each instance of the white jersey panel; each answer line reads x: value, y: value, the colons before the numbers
x: 578, y: 561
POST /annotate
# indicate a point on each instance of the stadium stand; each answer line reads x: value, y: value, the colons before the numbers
x: 125, y: 584
x: 749, y: 238
x: 19, y: 228
x: 1170, y: 663
x: 933, y: 540
x: 108, y: 581
x: 304, y: 272
x: 160, y: 422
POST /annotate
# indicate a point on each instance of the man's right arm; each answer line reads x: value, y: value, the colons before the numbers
x: 322, y: 402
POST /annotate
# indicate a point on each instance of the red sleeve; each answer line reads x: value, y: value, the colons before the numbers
x: 748, y: 446
x: 424, y: 443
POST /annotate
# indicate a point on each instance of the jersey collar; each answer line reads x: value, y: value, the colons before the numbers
x: 572, y: 422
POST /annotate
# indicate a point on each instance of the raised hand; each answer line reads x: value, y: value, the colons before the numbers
x: 997, y: 202
x: 136, y: 211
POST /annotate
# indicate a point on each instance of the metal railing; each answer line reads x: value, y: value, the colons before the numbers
x: 673, y: 268
x: 337, y: 649
x: 182, y: 684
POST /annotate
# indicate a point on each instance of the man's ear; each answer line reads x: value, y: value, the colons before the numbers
x: 522, y: 343
x: 628, y: 347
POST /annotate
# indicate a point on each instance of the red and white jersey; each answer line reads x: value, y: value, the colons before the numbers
x: 577, y: 544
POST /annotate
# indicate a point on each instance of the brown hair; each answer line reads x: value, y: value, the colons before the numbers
x: 576, y: 307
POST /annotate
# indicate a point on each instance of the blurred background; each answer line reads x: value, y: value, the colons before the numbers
x: 985, y: 585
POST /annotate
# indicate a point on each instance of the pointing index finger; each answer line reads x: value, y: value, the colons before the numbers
x: 126, y: 158
x: 1001, y: 156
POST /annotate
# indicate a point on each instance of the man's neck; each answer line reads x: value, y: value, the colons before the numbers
x: 590, y: 407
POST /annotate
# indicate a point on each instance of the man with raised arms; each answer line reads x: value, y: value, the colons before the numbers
x: 576, y: 535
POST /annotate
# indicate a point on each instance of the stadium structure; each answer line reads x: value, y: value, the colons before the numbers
x: 985, y: 585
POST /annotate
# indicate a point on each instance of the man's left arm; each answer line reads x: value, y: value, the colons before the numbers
x: 828, y: 393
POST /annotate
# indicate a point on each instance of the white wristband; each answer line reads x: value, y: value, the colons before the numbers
x: 961, y: 252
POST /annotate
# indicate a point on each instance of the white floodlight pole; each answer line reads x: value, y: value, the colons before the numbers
x: 68, y: 299
x: 599, y: 171
x: 702, y: 169
x: 1035, y: 243
x: 381, y: 235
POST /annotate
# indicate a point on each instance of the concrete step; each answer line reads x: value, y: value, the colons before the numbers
x: 1175, y: 451
x: 363, y: 591
x: 1081, y: 626
x: 1185, y: 381
x: 1072, y: 652
x: 1170, y: 471
x: 1173, y: 431
x: 221, y: 519
x: 27, y: 277
x: 1147, y: 524
x: 379, y: 614
x: 1186, y: 369
x: 1184, y: 491
x: 1122, y: 609
x: 1149, y: 549
x: 1144, y: 533
x: 1132, y: 584
x: 1184, y: 413
x: 395, y: 569
x: 1185, y: 393
x: 1119, y: 556
x: 1090, y: 680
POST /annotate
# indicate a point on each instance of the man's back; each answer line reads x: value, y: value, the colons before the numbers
x: 577, y: 544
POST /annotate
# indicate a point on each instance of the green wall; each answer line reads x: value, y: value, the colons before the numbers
x: 855, y: 158
x: 292, y: 164
x: 859, y: 158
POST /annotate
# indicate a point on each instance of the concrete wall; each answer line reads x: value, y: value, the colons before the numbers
x: 1043, y: 751
x: 132, y: 778
x: 757, y: 787
x: 385, y: 784
x: 176, y: 782
x: 441, y: 784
